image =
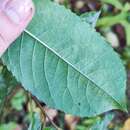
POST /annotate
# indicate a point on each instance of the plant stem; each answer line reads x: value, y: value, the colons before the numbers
x: 44, y: 113
x: 111, y: 20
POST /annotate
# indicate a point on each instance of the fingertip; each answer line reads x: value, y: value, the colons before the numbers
x: 14, y: 18
x: 18, y: 11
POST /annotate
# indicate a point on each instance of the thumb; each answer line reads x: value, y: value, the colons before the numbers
x: 14, y: 17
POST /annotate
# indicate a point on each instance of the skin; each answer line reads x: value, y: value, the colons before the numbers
x: 15, y: 15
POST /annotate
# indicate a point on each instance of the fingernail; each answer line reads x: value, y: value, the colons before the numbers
x: 18, y: 10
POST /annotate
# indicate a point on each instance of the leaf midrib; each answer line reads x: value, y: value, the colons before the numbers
x: 34, y: 37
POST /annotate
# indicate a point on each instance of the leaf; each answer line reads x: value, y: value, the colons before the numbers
x: 3, y: 92
x: 9, y: 126
x: 36, y: 123
x: 18, y: 100
x: 7, y: 84
x: 3, y: 88
x: 66, y: 64
x: 115, y: 3
x: 91, y: 17
x: 49, y: 128
x: 102, y: 124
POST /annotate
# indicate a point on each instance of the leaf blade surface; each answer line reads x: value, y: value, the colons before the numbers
x: 67, y: 64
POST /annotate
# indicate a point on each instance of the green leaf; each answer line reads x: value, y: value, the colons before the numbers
x: 102, y: 124
x: 36, y: 123
x: 96, y: 123
x: 18, y: 100
x: 9, y: 126
x: 65, y: 63
x: 7, y: 84
x: 115, y: 3
x: 91, y: 17
x: 49, y: 128
x: 3, y: 88
x: 3, y: 92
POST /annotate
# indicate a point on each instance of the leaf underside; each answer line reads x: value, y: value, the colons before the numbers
x: 7, y: 85
x: 91, y: 17
x: 65, y: 63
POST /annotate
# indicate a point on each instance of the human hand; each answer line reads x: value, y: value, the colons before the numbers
x: 14, y: 17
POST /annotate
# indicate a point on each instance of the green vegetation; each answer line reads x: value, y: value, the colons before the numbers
x: 60, y: 61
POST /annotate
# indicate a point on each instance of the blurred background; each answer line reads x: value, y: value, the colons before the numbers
x: 20, y: 109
